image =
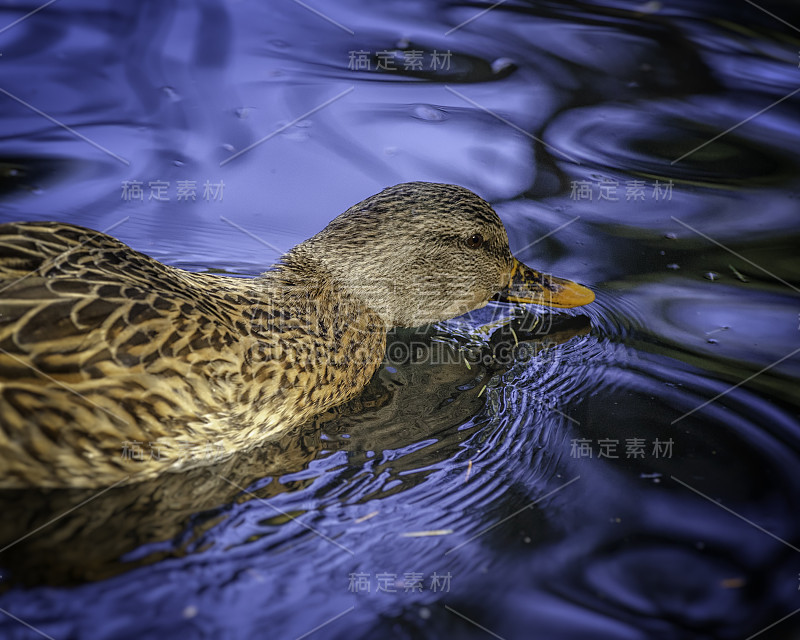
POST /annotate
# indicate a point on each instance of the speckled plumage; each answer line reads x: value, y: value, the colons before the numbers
x: 103, y: 349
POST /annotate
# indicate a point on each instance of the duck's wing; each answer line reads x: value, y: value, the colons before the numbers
x: 69, y: 294
x: 55, y: 250
x: 65, y: 289
x: 101, y: 345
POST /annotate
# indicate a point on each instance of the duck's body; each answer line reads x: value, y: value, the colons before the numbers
x: 169, y: 367
x: 115, y: 367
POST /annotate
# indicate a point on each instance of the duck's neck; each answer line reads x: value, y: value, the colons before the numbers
x: 321, y: 264
x: 329, y: 342
x: 318, y: 298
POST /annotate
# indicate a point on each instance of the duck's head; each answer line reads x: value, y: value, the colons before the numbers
x: 421, y: 252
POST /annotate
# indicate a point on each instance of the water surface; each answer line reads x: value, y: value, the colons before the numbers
x: 629, y: 473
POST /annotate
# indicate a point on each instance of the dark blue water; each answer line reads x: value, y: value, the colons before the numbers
x: 630, y: 472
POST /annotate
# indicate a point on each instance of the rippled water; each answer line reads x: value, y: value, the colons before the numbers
x: 629, y: 472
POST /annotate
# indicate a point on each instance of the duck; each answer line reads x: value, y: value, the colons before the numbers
x: 116, y: 368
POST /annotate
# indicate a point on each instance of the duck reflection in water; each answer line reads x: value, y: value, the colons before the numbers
x: 405, y: 400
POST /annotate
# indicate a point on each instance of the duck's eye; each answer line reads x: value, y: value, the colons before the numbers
x: 475, y: 241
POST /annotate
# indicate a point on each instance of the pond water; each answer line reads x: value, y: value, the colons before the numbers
x: 632, y: 471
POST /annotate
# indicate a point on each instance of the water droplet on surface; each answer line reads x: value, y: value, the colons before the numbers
x: 171, y: 94
x: 502, y: 65
x: 711, y: 275
x: 228, y: 147
x: 653, y: 6
x: 673, y: 266
x: 298, y: 131
x: 178, y: 163
x: 712, y: 341
x: 428, y: 112
x: 424, y: 613
x: 671, y: 236
x: 190, y: 611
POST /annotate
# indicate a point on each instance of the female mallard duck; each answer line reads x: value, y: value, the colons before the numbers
x: 115, y: 367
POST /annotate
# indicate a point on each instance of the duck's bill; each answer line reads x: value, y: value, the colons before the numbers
x: 529, y: 286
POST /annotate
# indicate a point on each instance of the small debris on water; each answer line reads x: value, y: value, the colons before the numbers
x: 426, y: 534
x: 367, y: 517
x: 736, y: 273
x: 733, y: 583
